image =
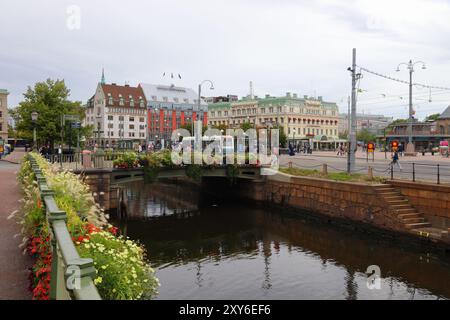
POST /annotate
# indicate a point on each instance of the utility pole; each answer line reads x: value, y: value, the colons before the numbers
x: 348, y: 133
x: 410, y: 148
x: 353, y: 146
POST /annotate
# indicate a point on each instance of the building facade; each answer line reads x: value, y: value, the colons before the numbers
x: 303, y: 119
x: 443, y: 122
x: 4, y: 115
x: 118, y: 115
x: 371, y: 122
x: 227, y: 98
x: 169, y: 107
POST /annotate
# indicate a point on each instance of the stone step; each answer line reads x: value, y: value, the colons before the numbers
x: 417, y: 225
x: 402, y: 206
x: 397, y: 201
x: 413, y: 220
x: 390, y: 194
x: 406, y: 210
x: 409, y: 215
x: 394, y: 197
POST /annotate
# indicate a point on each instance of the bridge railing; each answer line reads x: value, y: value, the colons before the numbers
x: 71, y: 276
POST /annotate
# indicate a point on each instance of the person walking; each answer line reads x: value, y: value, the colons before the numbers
x: 395, y: 161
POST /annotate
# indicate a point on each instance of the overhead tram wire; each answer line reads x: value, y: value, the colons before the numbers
x: 401, y: 81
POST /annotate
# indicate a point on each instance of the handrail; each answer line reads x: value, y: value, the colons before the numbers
x: 71, y: 276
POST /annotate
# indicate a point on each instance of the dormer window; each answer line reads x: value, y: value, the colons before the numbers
x: 186, y: 100
x: 154, y: 98
x: 141, y: 102
x: 121, y: 101
x: 175, y: 99
x: 165, y: 99
x: 110, y: 99
x: 131, y: 101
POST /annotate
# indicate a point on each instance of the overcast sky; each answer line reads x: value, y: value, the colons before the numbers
x: 293, y: 46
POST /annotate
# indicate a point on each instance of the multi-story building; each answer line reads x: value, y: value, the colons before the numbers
x: 227, y: 98
x: 169, y: 108
x: 371, y: 122
x: 303, y: 119
x: 118, y: 114
x: 443, y: 122
x: 4, y: 115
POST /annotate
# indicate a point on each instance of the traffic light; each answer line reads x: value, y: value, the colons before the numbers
x: 394, y: 145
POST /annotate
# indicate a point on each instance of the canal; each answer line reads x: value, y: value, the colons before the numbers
x: 211, y: 247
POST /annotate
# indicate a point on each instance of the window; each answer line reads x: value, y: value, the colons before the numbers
x: 1, y: 126
x: 141, y: 119
x: 131, y: 127
x: 1, y: 115
x: 120, y: 118
x: 142, y: 127
x: 121, y: 101
x: 175, y: 99
x: 186, y: 100
x: 154, y: 98
x: 110, y: 99
x: 131, y: 101
x: 165, y: 99
x: 225, y: 113
x: 110, y: 125
x: 110, y: 118
x: 131, y: 119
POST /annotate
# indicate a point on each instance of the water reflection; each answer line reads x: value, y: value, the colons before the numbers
x: 233, y: 251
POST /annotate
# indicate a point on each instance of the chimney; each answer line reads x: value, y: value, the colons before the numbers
x: 113, y: 84
x: 127, y: 85
x: 267, y: 96
x: 288, y: 94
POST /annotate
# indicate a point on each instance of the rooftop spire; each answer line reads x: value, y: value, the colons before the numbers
x: 102, y: 81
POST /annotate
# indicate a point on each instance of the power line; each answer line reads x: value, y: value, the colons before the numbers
x: 401, y: 81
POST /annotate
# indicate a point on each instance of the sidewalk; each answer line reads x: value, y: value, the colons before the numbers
x: 13, y: 264
x: 15, y: 157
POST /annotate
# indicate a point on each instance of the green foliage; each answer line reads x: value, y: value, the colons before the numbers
x: 247, y: 125
x: 336, y: 176
x: 126, y: 160
x: 194, y: 171
x: 123, y: 271
x: 188, y: 127
x: 433, y: 117
x: 153, y: 162
x: 365, y: 135
x: 283, y: 137
x: 50, y: 100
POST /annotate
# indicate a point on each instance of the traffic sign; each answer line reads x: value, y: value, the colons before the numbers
x: 371, y: 147
x: 76, y: 125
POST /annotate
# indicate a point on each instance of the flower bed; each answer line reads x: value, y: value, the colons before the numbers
x: 122, y: 269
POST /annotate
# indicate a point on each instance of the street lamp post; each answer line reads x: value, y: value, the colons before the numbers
x: 200, y: 97
x: 34, y: 117
x: 410, y: 149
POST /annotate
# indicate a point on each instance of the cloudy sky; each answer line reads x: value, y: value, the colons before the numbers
x: 294, y: 46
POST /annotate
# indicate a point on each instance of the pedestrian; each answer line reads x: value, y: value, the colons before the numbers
x: 395, y: 160
x: 291, y: 150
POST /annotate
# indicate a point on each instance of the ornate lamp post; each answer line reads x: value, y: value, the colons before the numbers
x: 410, y: 149
x: 34, y: 117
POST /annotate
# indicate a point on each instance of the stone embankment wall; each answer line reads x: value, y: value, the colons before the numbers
x: 432, y: 200
x: 349, y: 201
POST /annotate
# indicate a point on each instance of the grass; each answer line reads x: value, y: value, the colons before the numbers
x: 335, y: 176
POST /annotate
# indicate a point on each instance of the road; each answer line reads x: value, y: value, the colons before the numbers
x: 425, y: 168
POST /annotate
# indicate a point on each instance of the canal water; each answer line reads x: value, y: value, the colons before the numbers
x: 207, y: 247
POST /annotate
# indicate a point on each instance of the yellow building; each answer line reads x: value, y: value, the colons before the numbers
x: 303, y: 119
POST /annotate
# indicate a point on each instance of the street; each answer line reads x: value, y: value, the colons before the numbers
x: 425, y: 167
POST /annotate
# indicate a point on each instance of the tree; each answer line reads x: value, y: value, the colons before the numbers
x: 50, y: 100
x: 246, y: 125
x: 433, y: 117
x: 365, y: 135
x: 343, y: 134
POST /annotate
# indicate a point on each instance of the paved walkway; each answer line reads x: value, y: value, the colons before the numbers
x: 13, y: 264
